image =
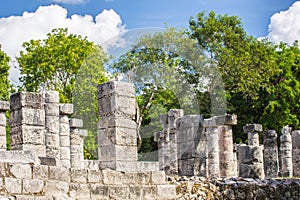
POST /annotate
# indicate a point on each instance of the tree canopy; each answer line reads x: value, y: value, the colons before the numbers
x: 4, y: 71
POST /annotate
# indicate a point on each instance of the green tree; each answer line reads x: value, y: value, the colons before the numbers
x: 4, y: 81
x: 246, y: 64
x: 52, y: 63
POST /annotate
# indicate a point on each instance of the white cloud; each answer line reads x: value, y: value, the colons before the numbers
x: 15, y: 30
x: 71, y: 1
x: 285, y: 25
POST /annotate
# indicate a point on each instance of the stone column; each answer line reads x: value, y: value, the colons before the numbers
x: 252, y: 131
x: 270, y: 154
x: 296, y: 152
x: 27, y: 122
x: 117, y: 134
x: 226, y: 147
x: 4, y: 106
x: 286, y: 160
x: 52, y: 124
x: 159, y: 138
x: 164, y: 143
x: 64, y: 134
x: 173, y: 116
x: 212, y: 147
x: 250, y: 161
x: 76, y: 143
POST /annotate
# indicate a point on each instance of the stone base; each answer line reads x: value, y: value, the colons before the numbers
x: 139, y: 166
x: 19, y: 156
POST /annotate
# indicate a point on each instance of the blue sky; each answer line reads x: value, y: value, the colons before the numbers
x: 255, y: 14
x: 105, y: 20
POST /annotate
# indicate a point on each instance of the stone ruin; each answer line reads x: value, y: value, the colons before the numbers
x: 192, y: 146
x: 46, y: 157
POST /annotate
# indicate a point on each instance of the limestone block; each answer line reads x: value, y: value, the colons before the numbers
x: 64, y: 141
x: 116, y: 87
x: 27, y: 135
x: 158, y: 177
x: 83, y: 132
x: 2, y: 131
x: 51, y: 97
x: 94, y: 176
x: 173, y: 115
x: 150, y: 192
x: 52, y: 109
x: 166, y: 191
x: 26, y: 99
x: 52, y: 139
x: 117, y: 153
x: 226, y: 120
x: 118, y: 192
x: 27, y: 116
x: 254, y: 170
x: 118, y: 105
x: 19, y: 157
x: 286, y: 138
x: 56, y: 187
x: 66, y: 109
x: 253, y: 138
x: 4, y: 105
x: 65, y: 163
x: 53, y: 151
x: 64, y: 119
x: 75, y: 139
x: 252, y: 128
x: 79, y: 175
x: 113, y: 121
x: 33, y: 186
x: 13, y: 185
x: 59, y: 173
x: 249, y: 154
x: 37, y: 149
x: 79, y: 191
x: 40, y: 172
x: 99, y: 192
x: 65, y: 153
x: 22, y: 171
x: 2, y: 118
x: 2, y: 142
x: 76, y: 123
x: 119, y: 136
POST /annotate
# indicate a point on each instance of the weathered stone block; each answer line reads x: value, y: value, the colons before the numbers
x: 285, y: 138
x: 65, y: 153
x: 149, y: 192
x: 27, y: 135
x: 64, y: 141
x: 119, y: 136
x: 79, y: 191
x: 27, y: 116
x: 64, y: 129
x: 76, y: 123
x: 51, y: 97
x: 59, y: 173
x: 249, y: 154
x: 75, y: 139
x: 158, y: 177
x: 252, y: 128
x: 26, y: 99
x: 4, y: 105
x: 52, y: 109
x: 56, y: 187
x: 19, y: 157
x: 2, y: 118
x: 166, y: 191
x: 116, y: 87
x: 296, y: 139
x: 118, y: 192
x: 52, y: 151
x: 94, y: 176
x: 226, y: 120
x: 13, y: 185
x: 52, y: 139
x: 118, y: 105
x: 33, y: 186
x: 113, y: 121
x: 20, y: 171
x: 117, y: 153
x: 66, y: 109
x: 254, y: 170
x: 40, y: 172
x: 37, y: 149
x: 99, y: 192
x: 79, y: 175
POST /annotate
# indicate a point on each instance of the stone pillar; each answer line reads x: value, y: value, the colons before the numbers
x: 4, y: 106
x: 212, y: 147
x: 286, y: 161
x: 252, y: 131
x: 296, y: 152
x: 250, y: 161
x: 64, y: 134
x: 117, y: 134
x: 159, y: 138
x: 27, y: 122
x: 271, y: 167
x: 76, y: 143
x: 226, y: 147
x: 164, y: 143
x: 173, y: 116
x: 52, y: 124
